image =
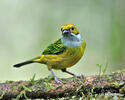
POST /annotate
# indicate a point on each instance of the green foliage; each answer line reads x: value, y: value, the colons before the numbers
x: 108, y: 78
x: 26, y: 88
x: 119, y: 71
x: 105, y: 68
x: 22, y: 93
x: 3, y: 93
x: 25, y: 95
x: 100, y: 68
x: 32, y: 80
x: 39, y: 81
x: 49, y: 78
x: 48, y: 84
x: 102, y: 71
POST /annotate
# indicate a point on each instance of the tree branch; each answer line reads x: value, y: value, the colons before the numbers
x: 48, y: 88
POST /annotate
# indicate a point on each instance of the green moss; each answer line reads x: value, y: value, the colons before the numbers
x: 108, y: 78
x: 119, y: 72
x: 7, y: 81
x: 49, y: 86
x: 14, y: 87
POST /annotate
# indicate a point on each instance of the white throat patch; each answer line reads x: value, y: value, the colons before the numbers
x: 72, y: 40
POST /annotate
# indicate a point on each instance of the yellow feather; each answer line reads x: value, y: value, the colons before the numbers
x: 64, y: 60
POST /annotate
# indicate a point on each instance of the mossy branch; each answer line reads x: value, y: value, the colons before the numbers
x: 48, y: 88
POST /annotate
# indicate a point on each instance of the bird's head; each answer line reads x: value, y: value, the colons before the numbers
x: 69, y: 29
x: 70, y: 35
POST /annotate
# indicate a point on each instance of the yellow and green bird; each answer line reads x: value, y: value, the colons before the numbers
x: 63, y: 53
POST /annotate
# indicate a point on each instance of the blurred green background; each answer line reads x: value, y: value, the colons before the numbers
x: 28, y: 26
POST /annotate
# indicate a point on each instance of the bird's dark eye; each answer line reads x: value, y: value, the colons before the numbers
x: 73, y: 28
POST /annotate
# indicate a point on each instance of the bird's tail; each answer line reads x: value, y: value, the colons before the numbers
x: 26, y: 62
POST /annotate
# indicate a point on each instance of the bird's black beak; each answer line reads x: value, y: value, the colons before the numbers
x: 64, y: 32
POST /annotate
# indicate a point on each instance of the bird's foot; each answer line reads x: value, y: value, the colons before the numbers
x: 74, y: 75
x: 57, y: 80
x: 81, y: 76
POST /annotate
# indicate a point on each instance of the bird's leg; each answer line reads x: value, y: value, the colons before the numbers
x: 64, y: 70
x: 55, y: 78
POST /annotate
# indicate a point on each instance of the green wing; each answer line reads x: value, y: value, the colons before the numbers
x: 55, y: 48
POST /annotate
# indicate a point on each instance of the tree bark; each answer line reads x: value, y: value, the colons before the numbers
x: 48, y: 88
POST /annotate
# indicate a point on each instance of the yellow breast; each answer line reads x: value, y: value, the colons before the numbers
x: 67, y: 59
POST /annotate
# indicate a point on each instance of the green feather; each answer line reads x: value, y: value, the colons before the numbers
x: 55, y: 48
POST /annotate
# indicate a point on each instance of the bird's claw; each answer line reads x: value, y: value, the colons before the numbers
x: 57, y: 80
x: 75, y: 76
x: 81, y: 76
